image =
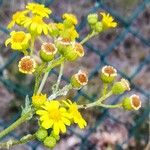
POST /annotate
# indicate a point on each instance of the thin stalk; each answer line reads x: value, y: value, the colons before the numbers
x: 43, y: 82
x: 49, y: 68
x: 59, y: 77
x: 104, y: 90
x: 13, y: 126
x: 23, y: 140
x: 32, y: 45
x: 111, y: 106
x: 96, y: 103
x: 89, y: 36
x: 60, y: 92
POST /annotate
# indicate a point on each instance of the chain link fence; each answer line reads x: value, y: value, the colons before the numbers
x: 104, y: 56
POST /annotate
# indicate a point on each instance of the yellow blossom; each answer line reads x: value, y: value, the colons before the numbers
x: 17, y: 18
x: 108, y: 21
x: 36, y: 25
x: 18, y: 40
x: 71, y: 18
x: 38, y: 100
x: 75, y: 114
x: 27, y: 65
x: 39, y: 9
x: 69, y: 33
x: 53, y: 116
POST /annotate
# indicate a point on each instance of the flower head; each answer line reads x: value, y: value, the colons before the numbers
x: 70, y: 18
x: 126, y: 84
x: 36, y: 25
x: 75, y: 114
x: 121, y: 86
x: 49, y: 48
x: 38, y: 100
x: 79, y: 79
x: 39, y: 9
x: 107, y: 21
x: 132, y: 103
x: 108, y: 74
x: 69, y: 33
x: 27, y: 65
x: 17, y: 18
x: 79, y: 49
x: 18, y: 40
x: 53, y: 116
x: 47, y: 52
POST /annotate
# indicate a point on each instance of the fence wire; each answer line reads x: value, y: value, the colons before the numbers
x: 103, y: 59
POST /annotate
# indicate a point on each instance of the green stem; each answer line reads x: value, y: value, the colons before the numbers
x: 13, y: 126
x: 96, y: 103
x: 59, y: 77
x: 38, y: 76
x: 43, y: 82
x: 111, y: 106
x: 61, y: 92
x: 53, y: 64
x: 104, y: 91
x: 89, y: 36
x: 23, y: 140
x: 32, y: 45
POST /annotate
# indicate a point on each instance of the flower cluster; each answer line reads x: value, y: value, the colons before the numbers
x: 59, y: 46
x: 56, y: 115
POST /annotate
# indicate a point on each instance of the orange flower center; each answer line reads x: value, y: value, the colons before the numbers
x: 109, y: 70
x: 66, y: 40
x: 37, y: 20
x: 49, y: 48
x: 55, y: 115
x: 19, y: 37
x: 82, y: 78
x: 136, y: 101
x: 79, y: 49
x: 27, y: 64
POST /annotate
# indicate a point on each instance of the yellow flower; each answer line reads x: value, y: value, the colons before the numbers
x: 27, y: 65
x: 36, y: 25
x: 53, y: 116
x: 18, y: 40
x: 38, y: 100
x: 17, y: 18
x: 69, y: 33
x: 71, y: 18
x: 39, y: 9
x: 108, y: 21
x: 75, y: 114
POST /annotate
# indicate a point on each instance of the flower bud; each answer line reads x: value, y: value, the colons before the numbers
x: 121, y: 87
x: 57, y: 137
x: 53, y: 29
x: 79, y: 79
x: 131, y: 103
x: 98, y: 27
x: 74, y: 52
x: 38, y: 100
x: 50, y: 142
x: 27, y: 65
x: 41, y: 134
x: 92, y: 19
x: 47, y: 52
x: 62, y: 43
x: 108, y: 74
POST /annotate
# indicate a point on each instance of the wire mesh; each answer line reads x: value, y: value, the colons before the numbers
x: 103, y: 60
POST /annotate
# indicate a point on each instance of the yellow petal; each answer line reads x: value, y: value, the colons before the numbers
x: 7, y: 41
x: 47, y: 124
x: 56, y: 128
x: 62, y: 127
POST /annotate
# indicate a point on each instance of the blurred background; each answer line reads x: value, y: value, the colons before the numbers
x: 127, y: 48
